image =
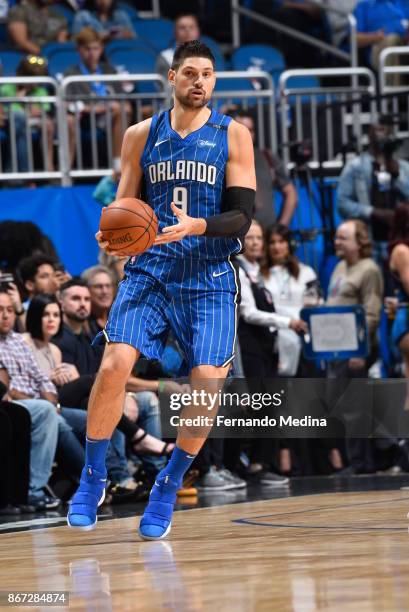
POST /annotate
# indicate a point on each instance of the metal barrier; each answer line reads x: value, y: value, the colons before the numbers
x: 28, y: 127
x: 328, y: 115
x: 100, y: 121
x: 262, y: 99
x: 395, y: 95
x: 352, y: 57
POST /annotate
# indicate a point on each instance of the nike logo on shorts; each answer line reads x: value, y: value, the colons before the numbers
x: 216, y: 274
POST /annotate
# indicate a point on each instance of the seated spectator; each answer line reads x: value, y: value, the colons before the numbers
x: 257, y: 328
x: 7, y: 284
x: 44, y: 321
x: 15, y: 443
x: 372, y: 184
x: 102, y: 290
x: 399, y: 266
x: 90, y: 49
x: 22, y: 115
x: 380, y: 25
x: 29, y: 387
x: 290, y: 283
x: 75, y: 346
x: 104, y: 17
x: 270, y: 174
x: 186, y: 28
x: 32, y: 24
x: 28, y: 382
x: 356, y: 280
x: 37, y: 275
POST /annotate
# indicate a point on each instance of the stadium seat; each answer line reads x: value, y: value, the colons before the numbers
x: 263, y: 57
x: 129, y: 9
x: 56, y: 47
x: 60, y: 61
x: 234, y: 85
x: 304, y: 82
x: 137, y: 62
x: 9, y: 61
x: 66, y: 12
x: 157, y: 32
x: 215, y: 49
x: 128, y: 45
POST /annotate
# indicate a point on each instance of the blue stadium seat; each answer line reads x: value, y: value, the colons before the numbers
x: 60, y: 61
x: 137, y: 62
x: 234, y: 85
x: 128, y: 45
x: 66, y: 12
x: 215, y: 49
x: 56, y: 47
x: 304, y: 82
x: 263, y: 57
x: 129, y: 9
x: 158, y: 32
x: 9, y: 61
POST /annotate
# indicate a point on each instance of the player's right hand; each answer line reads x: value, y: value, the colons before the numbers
x: 104, y: 245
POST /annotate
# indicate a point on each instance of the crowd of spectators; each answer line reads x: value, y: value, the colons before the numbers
x: 48, y: 319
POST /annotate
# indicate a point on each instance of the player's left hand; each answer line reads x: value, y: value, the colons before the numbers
x: 186, y: 226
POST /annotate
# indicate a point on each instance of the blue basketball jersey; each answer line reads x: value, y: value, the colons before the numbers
x: 189, y: 171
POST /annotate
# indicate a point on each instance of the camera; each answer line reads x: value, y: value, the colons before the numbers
x: 5, y: 280
x: 301, y: 152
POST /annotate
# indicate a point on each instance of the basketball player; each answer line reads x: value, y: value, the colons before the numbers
x: 197, y: 168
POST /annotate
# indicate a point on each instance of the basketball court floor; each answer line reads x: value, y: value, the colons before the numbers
x: 323, y: 544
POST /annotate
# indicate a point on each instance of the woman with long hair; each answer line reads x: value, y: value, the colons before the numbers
x: 44, y: 321
x: 292, y: 285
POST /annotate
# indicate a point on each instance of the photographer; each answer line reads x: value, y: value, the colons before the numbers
x: 371, y: 186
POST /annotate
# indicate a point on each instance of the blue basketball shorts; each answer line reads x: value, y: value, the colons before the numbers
x: 196, y: 299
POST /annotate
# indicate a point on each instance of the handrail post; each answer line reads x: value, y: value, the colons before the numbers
x: 235, y: 23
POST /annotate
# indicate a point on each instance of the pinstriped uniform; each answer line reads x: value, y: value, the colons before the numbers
x: 188, y: 286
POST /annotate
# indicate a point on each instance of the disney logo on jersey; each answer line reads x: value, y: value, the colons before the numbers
x: 205, y: 143
x: 182, y: 170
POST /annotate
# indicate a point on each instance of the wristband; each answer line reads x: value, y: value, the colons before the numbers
x: 20, y: 312
x: 161, y: 386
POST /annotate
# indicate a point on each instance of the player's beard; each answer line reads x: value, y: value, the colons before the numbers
x: 188, y: 102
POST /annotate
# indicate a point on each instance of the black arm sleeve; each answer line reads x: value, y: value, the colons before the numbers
x: 235, y: 222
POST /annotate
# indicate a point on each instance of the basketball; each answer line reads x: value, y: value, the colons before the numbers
x: 129, y: 225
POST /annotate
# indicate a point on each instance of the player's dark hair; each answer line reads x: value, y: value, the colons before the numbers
x: 193, y: 48
x: 291, y: 263
x: 35, y: 312
x: 75, y: 281
x: 28, y: 267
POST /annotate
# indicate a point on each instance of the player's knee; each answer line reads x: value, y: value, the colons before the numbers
x: 117, y: 364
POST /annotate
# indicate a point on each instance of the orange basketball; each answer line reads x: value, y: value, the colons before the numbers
x: 129, y: 225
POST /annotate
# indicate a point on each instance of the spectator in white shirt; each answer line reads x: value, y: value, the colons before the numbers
x: 292, y: 284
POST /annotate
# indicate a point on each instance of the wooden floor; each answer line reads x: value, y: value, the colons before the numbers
x: 337, y: 551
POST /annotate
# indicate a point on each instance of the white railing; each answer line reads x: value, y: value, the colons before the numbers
x: 328, y: 115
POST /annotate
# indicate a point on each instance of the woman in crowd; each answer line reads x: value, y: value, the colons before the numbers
x: 44, y: 320
x: 257, y: 333
x: 292, y: 285
x: 104, y: 17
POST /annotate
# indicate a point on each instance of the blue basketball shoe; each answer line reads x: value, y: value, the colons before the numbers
x: 82, y: 513
x: 156, y: 520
